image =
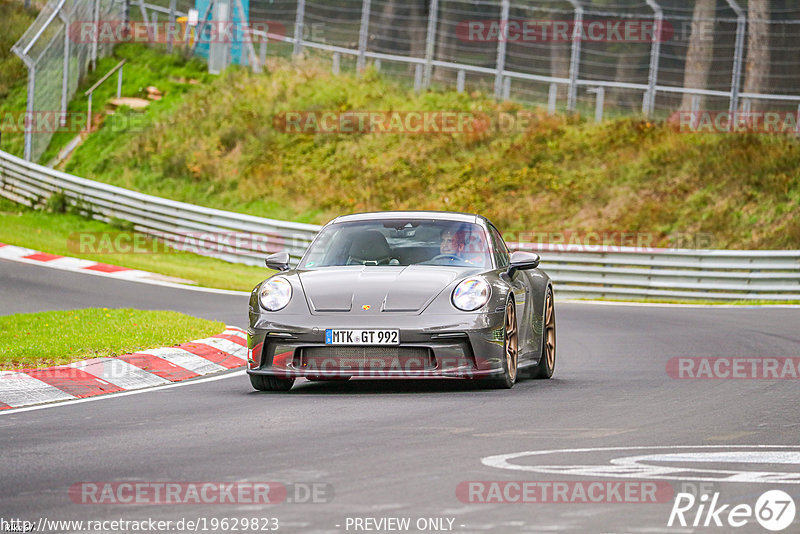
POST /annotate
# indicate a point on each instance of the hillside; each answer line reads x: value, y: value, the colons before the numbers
x: 219, y: 144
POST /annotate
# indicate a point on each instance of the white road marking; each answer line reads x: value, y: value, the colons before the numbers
x: 631, y: 467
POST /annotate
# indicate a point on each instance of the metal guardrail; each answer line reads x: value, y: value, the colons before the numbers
x: 233, y: 237
x: 579, y: 272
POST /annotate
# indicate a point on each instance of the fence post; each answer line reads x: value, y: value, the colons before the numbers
x: 65, y: 72
x: 262, y: 53
x: 551, y: 99
x: 363, y: 36
x: 417, y: 77
x: 29, y: 108
x: 89, y: 114
x: 575, y: 56
x: 599, y: 102
x: 119, y: 82
x: 738, y: 52
x: 96, y: 19
x: 298, y: 27
x: 505, y: 6
x: 430, y: 43
x: 170, y: 24
x: 655, y: 52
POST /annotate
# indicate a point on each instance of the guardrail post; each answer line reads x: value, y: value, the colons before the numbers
x: 417, y: 77
x: 460, y: 79
x: 738, y: 53
x: 506, y: 88
x: 298, y: 27
x: 505, y: 6
x: 648, y: 105
x: 363, y: 35
x: 336, y: 63
x: 119, y: 82
x: 575, y: 56
x: 430, y: 43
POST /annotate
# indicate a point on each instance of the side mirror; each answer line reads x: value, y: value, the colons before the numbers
x: 278, y: 261
x: 522, y: 261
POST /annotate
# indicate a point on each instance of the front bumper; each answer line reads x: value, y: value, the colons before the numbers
x: 471, y: 346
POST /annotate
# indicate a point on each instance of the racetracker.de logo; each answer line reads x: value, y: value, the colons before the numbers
x: 208, y: 492
x: 734, y: 368
x: 572, y: 492
x: 118, y: 31
x: 564, y: 31
x: 740, y: 122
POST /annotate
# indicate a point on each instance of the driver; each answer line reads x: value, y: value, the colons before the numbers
x: 452, y: 242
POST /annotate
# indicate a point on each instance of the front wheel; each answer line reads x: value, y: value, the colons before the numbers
x: 271, y: 383
x: 510, y: 350
x: 547, y: 361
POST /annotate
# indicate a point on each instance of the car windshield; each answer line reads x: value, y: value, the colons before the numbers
x: 399, y: 242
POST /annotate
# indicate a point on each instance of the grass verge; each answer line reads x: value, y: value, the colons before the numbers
x: 43, y: 339
x: 221, y: 144
x: 50, y: 232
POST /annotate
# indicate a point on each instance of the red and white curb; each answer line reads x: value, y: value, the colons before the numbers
x: 27, y: 255
x: 154, y: 367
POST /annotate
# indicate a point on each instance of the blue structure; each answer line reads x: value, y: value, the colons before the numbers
x: 207, y: 33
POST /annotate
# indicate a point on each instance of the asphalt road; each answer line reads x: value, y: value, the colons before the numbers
x: 400, y: 449
x: 27, y: 288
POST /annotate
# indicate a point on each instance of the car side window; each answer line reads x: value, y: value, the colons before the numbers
x: 500, y: 251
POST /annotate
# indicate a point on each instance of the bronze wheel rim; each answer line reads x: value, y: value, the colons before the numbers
x: 550, y: 332
x: 511, y: 340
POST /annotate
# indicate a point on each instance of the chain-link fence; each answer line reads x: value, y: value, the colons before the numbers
x: 57, y: 61
x: 594, y: 56
x: 627, y: 56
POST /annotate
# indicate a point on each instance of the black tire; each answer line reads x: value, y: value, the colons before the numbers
x: 271, y: 383
x: 547, y: 361
x: 510, y: 350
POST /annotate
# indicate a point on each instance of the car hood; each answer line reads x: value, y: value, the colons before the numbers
x: 388, y: 288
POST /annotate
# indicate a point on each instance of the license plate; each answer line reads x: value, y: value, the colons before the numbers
x: 362, y: 337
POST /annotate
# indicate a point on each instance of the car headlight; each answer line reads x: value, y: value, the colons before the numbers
x: 275, y: 294
x: 471, y: 294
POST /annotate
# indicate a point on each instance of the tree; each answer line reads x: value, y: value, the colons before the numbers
x: 758, y: 48
x: 701, y: 49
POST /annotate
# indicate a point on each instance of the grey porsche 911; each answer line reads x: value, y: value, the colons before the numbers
x: 403, y: 295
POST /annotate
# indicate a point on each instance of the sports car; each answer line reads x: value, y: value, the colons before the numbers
x: 403, y: 295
